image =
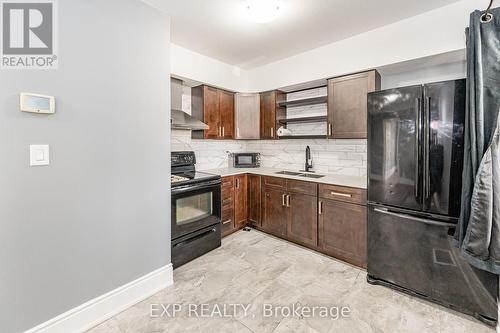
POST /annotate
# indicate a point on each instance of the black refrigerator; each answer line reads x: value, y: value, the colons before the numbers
x: 415, y: 157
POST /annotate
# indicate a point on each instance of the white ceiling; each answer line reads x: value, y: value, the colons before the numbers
x: 218, y: 28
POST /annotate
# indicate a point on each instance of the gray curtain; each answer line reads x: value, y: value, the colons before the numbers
x: 478, y: 232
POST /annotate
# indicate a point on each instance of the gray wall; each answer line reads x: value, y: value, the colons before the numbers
x: 99, y: 215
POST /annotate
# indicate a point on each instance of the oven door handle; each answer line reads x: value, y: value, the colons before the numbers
x: 190, y: 240
x: 196, y: 187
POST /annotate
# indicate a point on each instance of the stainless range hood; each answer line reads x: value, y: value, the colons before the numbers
x: 181, y: 120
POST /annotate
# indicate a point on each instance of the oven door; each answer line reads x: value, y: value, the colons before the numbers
x: 194, y: 207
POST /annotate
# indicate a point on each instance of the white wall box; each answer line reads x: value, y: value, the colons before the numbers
x: 37, y: 103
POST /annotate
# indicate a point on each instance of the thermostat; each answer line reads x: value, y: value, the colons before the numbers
x: 37, y: 103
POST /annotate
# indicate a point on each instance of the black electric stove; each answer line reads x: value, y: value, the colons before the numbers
x: 196, y: 209
x: 188, y: 178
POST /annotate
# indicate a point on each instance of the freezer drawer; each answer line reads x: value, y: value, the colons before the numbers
x: 415, y: 253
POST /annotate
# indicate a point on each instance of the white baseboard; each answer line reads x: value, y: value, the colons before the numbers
x: 97, y: 310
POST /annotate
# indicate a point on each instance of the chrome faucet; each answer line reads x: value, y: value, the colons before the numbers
x: 309, y: 164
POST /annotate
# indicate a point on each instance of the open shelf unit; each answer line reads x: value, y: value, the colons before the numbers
x: 298, y: 116
x: 305, y: 101
x: 303, y: 137
x: 315, y: 119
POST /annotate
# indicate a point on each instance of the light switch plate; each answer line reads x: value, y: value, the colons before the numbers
x: 39, y: 155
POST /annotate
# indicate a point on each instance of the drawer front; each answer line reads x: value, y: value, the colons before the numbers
x: 227, y: 204
x: 341, y: 193
x: 227, y: 199
x: 227, y: 193
x: 227, y: 221
x: 274, y: 182
x: 227, y: 182
x: 298, y: 186
x: 193, y: 246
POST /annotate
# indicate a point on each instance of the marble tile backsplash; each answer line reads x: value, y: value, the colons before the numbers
x: 210, y: 154
x: 346, y: 157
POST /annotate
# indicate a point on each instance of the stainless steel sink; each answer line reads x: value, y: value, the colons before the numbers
x: 310, y: 175
x: 289, y: 173
x: 299, y: 174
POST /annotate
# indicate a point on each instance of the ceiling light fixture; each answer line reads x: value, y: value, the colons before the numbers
x: 262, y: 11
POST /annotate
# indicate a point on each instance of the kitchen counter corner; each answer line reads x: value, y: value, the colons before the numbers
x: 329, y: 178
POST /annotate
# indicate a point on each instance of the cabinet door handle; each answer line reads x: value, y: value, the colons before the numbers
x: 226, y: 222
x: 329, y: 129
x: 272, y: 132
x: 320, y: 207
x: 222, y: 130
x: 288, y: 201
x: 237, y: 183
x: 238, y: 132
x: 283, y: 203
x: 339, y: 194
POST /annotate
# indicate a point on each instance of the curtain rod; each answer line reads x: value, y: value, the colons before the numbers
x: 487, y: 16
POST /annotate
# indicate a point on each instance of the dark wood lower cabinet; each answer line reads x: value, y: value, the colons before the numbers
x: 290, y: 209
x: 326, y: 218
x: 234, y: 198
x: 240, y: 200
x: 227, y: 205
x: 303, y: 219
x: 254, y: 193
x: 342, y: 231
x: 274, y: 211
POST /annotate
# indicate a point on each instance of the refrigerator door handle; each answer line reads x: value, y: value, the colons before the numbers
x: 427, y: 185
x: 417, y: 145
x: 413, y: 218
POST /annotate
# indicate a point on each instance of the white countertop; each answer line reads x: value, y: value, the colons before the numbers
x: 330, y: 178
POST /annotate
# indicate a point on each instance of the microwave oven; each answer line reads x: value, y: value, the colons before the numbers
x: 246, y: 160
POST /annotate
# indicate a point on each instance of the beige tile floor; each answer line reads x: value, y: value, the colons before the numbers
x: 254, y: 269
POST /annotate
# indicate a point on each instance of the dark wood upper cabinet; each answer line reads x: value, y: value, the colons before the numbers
x: 226, y: 110
x: 303, y: 219
x: 240, y: 199
x: 270, y: 112
x: 342, y: 231
x: 215, y: 107
x: 247, y: 116
x: 347, y: 104
x: 274, y: 211
x: 254, y: 193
